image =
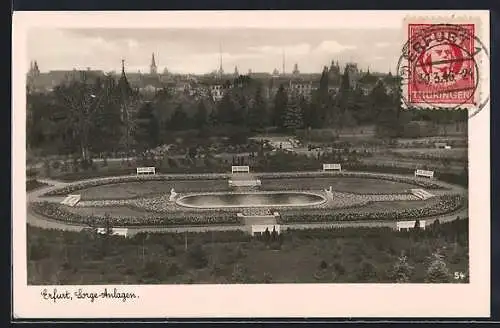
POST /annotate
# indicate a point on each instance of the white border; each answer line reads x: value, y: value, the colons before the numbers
x: 277, y: 300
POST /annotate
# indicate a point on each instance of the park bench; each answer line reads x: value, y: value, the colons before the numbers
x: 332, y: 167
x: 146, y: 170
x: 424, y: 173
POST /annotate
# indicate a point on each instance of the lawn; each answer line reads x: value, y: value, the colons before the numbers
x: 337, y: 255
x: 150, y: 188
x: 344, y: 184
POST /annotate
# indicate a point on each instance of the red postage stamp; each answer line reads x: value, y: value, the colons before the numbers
x: 441, y: 64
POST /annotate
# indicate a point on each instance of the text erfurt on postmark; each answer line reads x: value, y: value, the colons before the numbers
x: 442, y: 63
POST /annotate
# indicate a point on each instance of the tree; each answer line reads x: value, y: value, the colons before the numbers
x: 292, y: 117
x: 257, y: 114
x: 386, y: 109
x: 108, y: 128
x: 240, y: 111
x: 437, y: 272
x: 147, y: 132
x: 201, y: 116
x: 274, y: 234
x: 225, y: 110
x: 179, y: 119
x: 401, y: 271
x: 240, y: 274
x: 267, y: 235
x: 280, y: 106
x: 78, y: 104
x: 323, y: 82
x: 417, y: 225
x: 212, y: 118
x: 107, y: 225
x: 345, y: 84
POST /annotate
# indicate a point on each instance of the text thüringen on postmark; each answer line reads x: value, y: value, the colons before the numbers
x: 442, y: 65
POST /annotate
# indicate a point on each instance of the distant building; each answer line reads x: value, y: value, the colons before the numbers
x: 217, y: 91
x: 353, y: 71
x: 46, y: 82
x: 301, y: 88
x: 334, y: 74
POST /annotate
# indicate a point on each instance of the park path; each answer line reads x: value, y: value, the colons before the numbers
x: 43, y: 222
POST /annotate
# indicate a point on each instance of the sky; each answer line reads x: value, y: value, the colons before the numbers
x: 198, y: 51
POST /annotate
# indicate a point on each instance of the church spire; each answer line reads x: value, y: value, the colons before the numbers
x: 283, y: 63
x: 221, y: 70
x: 153, y: 69
x: 123, y: 84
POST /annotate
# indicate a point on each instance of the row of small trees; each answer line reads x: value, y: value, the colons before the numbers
x: 437, y: 270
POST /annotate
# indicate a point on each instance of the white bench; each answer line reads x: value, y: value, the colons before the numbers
x: 424, y: 173
x: 332, y: 167
x: 146, y: 170
x: 240, y: 169
x: 407, y: 225
x: 244, y: 183
x: 114, y: 231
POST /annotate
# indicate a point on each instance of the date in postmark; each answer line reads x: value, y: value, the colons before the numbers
x: 441, y: 66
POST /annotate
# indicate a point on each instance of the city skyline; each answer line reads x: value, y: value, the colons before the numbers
x: 199, y: 51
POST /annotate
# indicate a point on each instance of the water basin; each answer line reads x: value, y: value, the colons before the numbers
x: 257, y: 199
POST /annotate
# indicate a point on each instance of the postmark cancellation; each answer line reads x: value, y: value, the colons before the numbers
x: 443, y: 63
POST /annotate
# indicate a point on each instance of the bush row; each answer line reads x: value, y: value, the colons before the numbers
x: 446, y: 204
x: 57, y: 212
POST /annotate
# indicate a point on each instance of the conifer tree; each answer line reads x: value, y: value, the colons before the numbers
x: 201, y: 115
x: 257, y: 114
x: 437, y: 272
x: 401, y: 271
x: 280, y: 106
x: 292, y: 117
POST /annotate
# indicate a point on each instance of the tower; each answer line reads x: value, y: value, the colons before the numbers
x: 153, y: 69
x: 236, y: 73
x: 34, y: 70
x: 283, y: 63
x: 123, y: 84
x: 296, y: 69
x: 221, y: 70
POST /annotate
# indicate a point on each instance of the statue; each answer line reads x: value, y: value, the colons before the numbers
x: 173, y: 194
x: 329, y: 193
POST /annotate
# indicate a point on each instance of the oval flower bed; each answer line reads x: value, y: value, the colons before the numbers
x: 213, y: 176
x: 447, y: 204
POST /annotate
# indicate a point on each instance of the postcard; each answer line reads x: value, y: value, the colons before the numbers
x: 251, y: 164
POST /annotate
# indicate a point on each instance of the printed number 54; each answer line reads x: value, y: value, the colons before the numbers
x: 459, y: 276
